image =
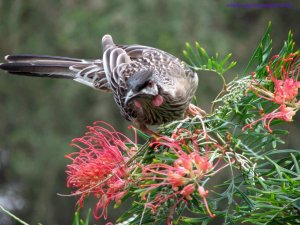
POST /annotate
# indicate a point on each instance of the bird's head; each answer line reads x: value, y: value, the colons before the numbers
x: 143, y: 86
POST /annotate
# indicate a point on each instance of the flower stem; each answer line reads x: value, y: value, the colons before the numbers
x: 13, y: 216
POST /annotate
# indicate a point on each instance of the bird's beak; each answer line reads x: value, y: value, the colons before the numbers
x: 145, y: 94
x: 130, y: 95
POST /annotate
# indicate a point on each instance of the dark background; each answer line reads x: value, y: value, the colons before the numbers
x: 39, y: 117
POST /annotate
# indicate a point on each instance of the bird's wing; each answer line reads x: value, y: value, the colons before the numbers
x: 164, y: 63
x: 115, y: 60
x: 91, y: 74
x: 137, y: 51
x: 113, y: 57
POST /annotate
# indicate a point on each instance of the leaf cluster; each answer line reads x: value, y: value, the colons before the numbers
x: 264, y: 182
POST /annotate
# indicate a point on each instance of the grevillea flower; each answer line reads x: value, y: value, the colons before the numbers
x: 99, y: 167
x: 286, y: 82
x: 282, y: 113
x: 187, y: 191
x: 184, y: 176
x: 284, y: 74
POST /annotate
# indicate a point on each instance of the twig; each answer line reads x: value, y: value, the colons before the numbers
x: 13, y: 216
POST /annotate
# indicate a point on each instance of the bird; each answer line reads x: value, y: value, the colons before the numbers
x: 149, y: 86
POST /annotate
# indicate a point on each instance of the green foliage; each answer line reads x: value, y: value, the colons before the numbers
x: 269, y: 190
x: 199, y: 60
x: 263, y: 187
x: 262, y: 53
x: 78, y: 221
x: 276, y: 193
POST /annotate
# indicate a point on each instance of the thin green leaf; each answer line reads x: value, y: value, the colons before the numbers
x: 258, y: 51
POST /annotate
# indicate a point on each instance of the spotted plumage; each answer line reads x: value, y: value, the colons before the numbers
x: 149, y: 86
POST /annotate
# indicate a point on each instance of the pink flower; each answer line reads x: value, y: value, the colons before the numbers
x: 285, y: 76
x: 201, y: 162
x: 282, y: 113
x: 103, y: 167
x: 284, y: 73
x: 285, y: 90
x: 99, y: 167
x: 203, y: 193
x: 184, y: 175
x: 187, y: 191
x: 176, y: 179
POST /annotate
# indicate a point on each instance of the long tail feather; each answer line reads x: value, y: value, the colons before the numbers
x: 87, y: 72
x: 40, y: 65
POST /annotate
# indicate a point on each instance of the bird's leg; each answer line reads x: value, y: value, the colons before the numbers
x: 145, y: 129
x: 193, y: 110
x: 151, y: 133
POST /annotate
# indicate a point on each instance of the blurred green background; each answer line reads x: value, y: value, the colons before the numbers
x: 39, y: 117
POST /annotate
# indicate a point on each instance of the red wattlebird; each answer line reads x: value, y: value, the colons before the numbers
x: 150, y: 86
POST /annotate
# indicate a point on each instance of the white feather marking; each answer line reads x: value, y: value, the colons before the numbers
x: 85, y: 82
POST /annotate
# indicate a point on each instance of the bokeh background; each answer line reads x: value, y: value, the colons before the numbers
x: 39, y: 117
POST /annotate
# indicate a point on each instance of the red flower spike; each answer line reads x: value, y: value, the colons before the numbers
x: 285, y: 81
x: 282, y: 113
x: 285, y: 90
x: 284, y: 75
x: 184, y: 176
x: 99, y: 167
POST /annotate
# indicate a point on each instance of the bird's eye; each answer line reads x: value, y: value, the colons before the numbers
x: 150, y: 84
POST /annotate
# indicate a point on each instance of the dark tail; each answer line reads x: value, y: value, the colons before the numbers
x: 41, y: 65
